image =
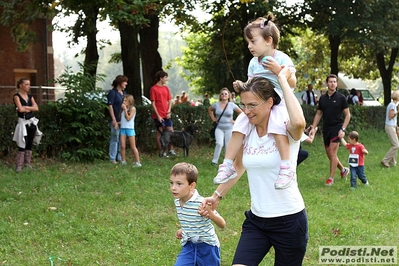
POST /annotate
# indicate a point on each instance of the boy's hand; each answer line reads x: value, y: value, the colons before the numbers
x: 209, y: 202
x: 179, y: 234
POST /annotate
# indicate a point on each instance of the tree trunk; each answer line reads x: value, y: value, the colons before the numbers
x: 151, y: 60
x: 91, y: 53
x: 335, y: 41
x: 386, y: 73
x: 130, y: 52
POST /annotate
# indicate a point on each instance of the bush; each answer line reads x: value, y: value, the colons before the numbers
x: 77, y: 127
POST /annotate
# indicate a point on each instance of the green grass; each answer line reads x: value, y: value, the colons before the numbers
x: 104, y: 214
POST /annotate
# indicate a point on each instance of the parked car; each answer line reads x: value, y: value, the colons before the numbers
x: 102, y: 95
x: 368, y: 98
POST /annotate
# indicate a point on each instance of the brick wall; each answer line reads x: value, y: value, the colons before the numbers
x: 36, y: 63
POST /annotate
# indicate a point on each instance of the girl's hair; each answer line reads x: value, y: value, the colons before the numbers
x: 187, y: 169
x: 19, y: 82
x: 228, y: 93
x: 130, y: 100
x: 118, y: 80
x: 261, y: 87
x: 267, y: 28
x: 395, y: 95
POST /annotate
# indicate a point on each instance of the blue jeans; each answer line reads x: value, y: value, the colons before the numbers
x: 357, y: 171
x: 114, y: 145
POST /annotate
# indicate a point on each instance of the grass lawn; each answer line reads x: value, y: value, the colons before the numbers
x: 105, y: 214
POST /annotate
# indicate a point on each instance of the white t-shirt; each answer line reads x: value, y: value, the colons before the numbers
x: 261, y: 160
x: 391, y: 122
x: 125, y: 123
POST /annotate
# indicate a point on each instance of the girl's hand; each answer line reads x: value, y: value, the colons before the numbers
x: 269, y: 63
x: 123, y: 106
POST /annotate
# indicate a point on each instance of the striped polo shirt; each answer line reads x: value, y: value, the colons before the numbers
x: 196, y: 228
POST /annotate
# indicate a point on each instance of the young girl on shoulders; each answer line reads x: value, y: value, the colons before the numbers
x: 263, y: 37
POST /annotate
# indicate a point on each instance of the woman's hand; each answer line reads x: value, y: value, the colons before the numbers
x: 209, y: 202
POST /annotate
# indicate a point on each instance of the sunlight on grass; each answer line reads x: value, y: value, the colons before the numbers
x: 104, y: 214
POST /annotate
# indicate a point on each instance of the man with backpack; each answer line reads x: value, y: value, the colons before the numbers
x: 352, y: 97
x: 308, y: 97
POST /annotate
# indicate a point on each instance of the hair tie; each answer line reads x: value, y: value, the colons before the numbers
x: 264, y: 23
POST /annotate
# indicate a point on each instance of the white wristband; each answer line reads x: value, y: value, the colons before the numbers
x: 218, y: 194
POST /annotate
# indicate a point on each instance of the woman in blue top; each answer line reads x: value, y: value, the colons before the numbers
x: 114, y: 99
x: 225, y: 125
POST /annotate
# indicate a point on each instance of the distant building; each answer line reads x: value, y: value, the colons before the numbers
x: 36, y: 63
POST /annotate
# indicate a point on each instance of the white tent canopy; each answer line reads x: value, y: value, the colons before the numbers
x: 344, y: 82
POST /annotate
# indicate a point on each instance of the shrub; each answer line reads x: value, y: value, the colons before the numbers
x: 82, y: 132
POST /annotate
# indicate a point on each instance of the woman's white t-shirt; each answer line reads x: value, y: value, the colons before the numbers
x: 261, y: 160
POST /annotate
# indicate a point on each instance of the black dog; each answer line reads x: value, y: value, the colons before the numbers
x: 181, y: 139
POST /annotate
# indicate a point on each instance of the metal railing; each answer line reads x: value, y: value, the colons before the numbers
x: 42, y: 94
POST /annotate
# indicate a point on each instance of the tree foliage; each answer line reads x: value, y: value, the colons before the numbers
x: 217, y: 53
x: 363, y: 32
x: 19, y: 15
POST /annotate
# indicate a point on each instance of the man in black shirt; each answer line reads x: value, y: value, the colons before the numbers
x: 332, y: 105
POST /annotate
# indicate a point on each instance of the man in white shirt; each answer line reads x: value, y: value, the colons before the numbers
x: 308, y: 97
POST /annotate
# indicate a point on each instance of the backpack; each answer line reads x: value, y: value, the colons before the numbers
x: 350, y: 100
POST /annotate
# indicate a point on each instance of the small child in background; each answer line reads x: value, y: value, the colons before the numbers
x: 263, y: 37
x: 127, y: 129
x: 356, y: 158
x: 200, y: 244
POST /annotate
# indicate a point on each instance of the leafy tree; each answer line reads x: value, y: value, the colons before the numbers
x: 18, y: 15
x: 379, y: 38
x: 367, y: 29
x: 217, y: 53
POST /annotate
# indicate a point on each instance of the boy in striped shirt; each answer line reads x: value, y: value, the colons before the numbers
x: 200, y: 244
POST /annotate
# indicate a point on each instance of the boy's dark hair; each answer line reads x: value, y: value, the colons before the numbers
x: 160, y: 74
x: 187, y: 169
x: 331, y: 76
x: 354, y: 135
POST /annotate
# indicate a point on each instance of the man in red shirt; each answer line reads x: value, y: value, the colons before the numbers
x: 161, y: 101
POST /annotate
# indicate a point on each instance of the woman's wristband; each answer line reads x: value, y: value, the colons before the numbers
x: 217, y: 193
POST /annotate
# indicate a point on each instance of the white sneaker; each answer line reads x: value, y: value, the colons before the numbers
x: 285, y: 178
x: 172, y: 152
x: 225, y: 173
x: 137, y: 164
